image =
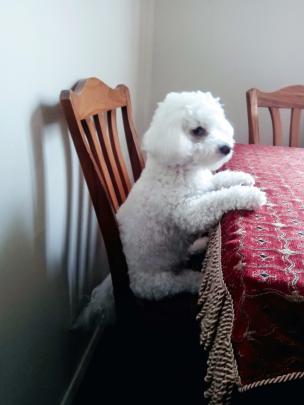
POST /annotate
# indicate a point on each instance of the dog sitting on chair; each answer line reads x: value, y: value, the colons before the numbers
x: 178, y: 198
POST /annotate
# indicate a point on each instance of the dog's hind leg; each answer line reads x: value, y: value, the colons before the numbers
x: 165, y: 283
x: 198, y: 246
x: 100, y: 309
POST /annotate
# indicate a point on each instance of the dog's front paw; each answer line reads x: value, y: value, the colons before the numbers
x: 254, y: 198
x: 245, y: 179
x: 229, y: 178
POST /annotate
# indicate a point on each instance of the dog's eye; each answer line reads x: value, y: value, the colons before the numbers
x: 199, y: 131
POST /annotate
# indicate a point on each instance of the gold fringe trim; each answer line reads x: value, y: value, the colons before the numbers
x: 216, y: 322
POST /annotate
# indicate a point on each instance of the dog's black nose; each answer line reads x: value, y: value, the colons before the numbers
x: 225, y: 149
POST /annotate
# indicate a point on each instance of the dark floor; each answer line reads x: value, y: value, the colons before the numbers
x: 160, y: 367
x: 143, y: 367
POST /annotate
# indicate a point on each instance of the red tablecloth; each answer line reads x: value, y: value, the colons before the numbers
x: 262, y: 263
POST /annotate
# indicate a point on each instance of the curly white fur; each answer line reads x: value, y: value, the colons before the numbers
x: 177, y: 199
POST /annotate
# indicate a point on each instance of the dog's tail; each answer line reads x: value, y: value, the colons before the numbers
x: 100, y: 310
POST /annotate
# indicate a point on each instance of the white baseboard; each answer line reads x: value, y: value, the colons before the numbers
x: 72, y: 389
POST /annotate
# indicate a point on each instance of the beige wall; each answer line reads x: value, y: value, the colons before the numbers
x: 50, y: 255
x: 227, y: 47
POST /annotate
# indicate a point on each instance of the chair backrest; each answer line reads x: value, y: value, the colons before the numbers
x: 291, y: 97
x: 90, y: 111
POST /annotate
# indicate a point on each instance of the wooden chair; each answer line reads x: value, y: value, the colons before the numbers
x: 291, y: 97
x: 90, y: 111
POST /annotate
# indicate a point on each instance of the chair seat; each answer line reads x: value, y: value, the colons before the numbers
x: 179, y: 308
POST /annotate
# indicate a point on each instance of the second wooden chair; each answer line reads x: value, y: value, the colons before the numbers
x: 291, y: 97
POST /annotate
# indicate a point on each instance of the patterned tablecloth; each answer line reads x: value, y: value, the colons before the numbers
x: 254, y: 279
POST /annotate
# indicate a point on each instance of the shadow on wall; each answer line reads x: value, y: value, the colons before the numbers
x: 44, y: 276
x: 80, y: 256
x: 31, y: 312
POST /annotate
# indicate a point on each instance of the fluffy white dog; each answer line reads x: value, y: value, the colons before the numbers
x: 178, y: 198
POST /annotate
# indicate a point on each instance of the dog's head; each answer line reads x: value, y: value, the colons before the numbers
x: 190, y: 128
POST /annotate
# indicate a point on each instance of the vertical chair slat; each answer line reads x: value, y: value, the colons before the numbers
x: 91, y: 135
x: 294, y: 133
x: 91, y: 141
x: 119, y: 159
x: 252, y: 112
x: 137, y: 161
x: 102, y: 132
x: 276, y: 125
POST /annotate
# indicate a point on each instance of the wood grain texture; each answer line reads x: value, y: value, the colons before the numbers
x: 294, y: 132
x: 276, y: 125
x: 291, y: 97
x: 114, y: 140
x: 252, y: 112
x: 90, y: 111
x: 137, y: 161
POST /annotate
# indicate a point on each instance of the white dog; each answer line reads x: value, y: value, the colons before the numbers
x: 178, y: 198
